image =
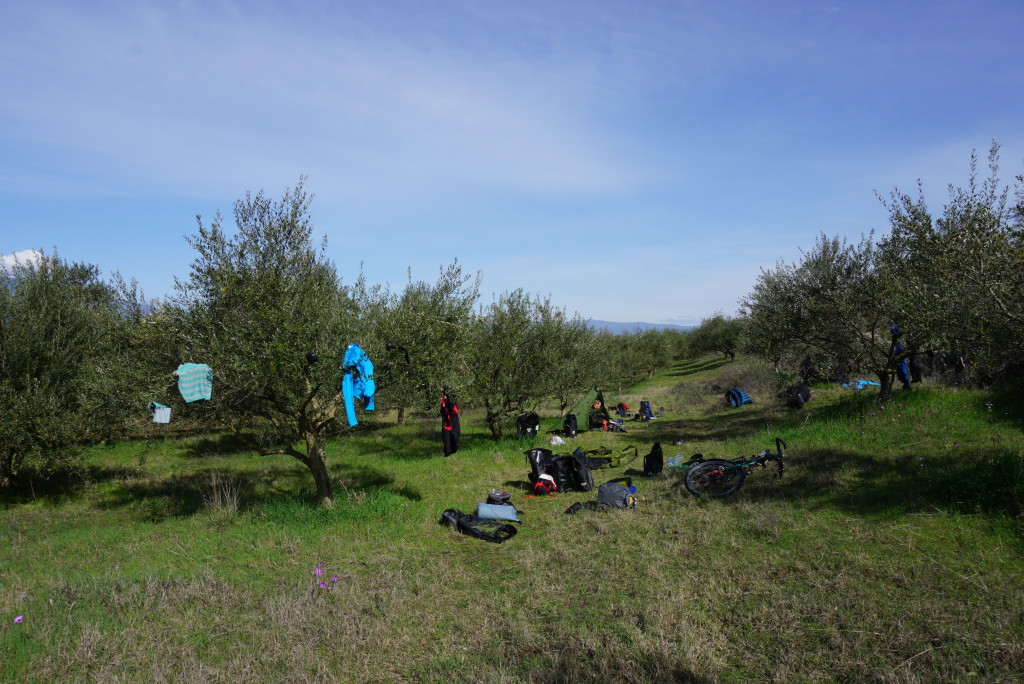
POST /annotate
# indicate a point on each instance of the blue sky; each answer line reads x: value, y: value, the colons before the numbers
x: 636, y: 161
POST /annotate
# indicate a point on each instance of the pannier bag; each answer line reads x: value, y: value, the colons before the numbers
x: 616, y: 495
x: 798, y: 395
x: 481, y: 528
x: 527, y: 426
x: 569, y: 426
x: 654, y: 462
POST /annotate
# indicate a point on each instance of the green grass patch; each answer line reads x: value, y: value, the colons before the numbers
x: 891, y: 550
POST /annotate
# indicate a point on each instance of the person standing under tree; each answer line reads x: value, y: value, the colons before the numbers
x: 451, y: 431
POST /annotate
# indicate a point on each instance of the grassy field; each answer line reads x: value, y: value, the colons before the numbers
x: 891, y: 551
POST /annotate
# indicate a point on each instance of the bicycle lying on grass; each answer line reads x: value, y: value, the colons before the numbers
x: 717, y: 477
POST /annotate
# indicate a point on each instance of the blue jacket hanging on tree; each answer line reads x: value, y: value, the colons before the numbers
x: 358, y: 381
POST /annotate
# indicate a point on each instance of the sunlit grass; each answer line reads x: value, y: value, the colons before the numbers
x: 891, y: 550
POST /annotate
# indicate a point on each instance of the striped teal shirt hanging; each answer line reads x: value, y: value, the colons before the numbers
x: 195, y: 381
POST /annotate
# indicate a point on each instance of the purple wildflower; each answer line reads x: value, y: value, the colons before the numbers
x: 334, y: 579
x: 322, y: 585
x: 318, y: 571
x: 20, y: 618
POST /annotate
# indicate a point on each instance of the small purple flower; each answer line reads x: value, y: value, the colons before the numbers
x: 117, y: 567
x: 322, y: 585
x: 318, y: 571
x: 20, y: 618
x: 334, y: 579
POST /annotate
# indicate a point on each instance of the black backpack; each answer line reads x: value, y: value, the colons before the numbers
x: 569, y: 427
x: 543, y: 462
x: 527, y: 426
x: 581, y: 476
x: 481, y: 528
x: 798, y: 395
x: 654, y: 462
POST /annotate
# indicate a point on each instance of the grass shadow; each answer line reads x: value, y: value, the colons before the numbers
x: 64, y: 483
x: 985, y: 481
x: 688, y: 368
x: 227, y: 444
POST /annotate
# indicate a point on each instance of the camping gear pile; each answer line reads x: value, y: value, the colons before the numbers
x: 491, y: 522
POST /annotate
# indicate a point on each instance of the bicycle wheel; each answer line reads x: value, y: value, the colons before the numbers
x: 714, y: 478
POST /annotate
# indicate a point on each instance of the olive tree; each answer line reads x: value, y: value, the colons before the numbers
x: 64, y: 376
x: 959, y: 278
x: 425, y: 332
x: 718, y: 333
x: 264, y: 308
x: 514, y: 351
x: 835, y: 301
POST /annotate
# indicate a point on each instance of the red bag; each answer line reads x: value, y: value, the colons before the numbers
x: 544, y: 486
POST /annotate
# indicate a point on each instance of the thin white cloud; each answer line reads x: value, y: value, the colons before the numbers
x: 25, y: 256
x: 190, y: 100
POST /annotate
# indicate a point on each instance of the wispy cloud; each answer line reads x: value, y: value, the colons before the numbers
x: 211, y: 92
x: 29, y: 257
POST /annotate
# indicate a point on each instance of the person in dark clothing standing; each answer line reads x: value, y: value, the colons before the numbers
x: 451, y: 431
x: 916, y: 367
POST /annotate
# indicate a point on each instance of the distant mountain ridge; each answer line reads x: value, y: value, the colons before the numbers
x: 620, y: 328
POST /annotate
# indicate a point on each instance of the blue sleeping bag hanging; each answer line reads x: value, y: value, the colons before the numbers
x: 737, y: 397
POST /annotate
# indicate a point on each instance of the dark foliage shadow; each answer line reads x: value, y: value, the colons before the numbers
x: 63, y: 483
x: 1007, y: 406
x: 220, y: 445
x: 985, y: 481
x: 728, y: 425
x: 183, y: 495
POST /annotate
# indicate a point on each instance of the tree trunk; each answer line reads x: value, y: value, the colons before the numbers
x: 8, y: 472
x: 494, y: 425
x: 493, y: 420
x: 885, y: 379
x: 401, y: 416
x: 317, y: 465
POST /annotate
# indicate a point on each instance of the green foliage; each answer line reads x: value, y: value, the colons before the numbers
x: 517, y: 355
x: 719, y: 333
x: 424, y: 331
x: 63, y: 364
x: 835, y: 301
x: 256, y: 305
x: 959, y: 279
x: 953, y: 284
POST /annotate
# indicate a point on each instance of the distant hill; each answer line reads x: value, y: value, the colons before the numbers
x: 620, y: 328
